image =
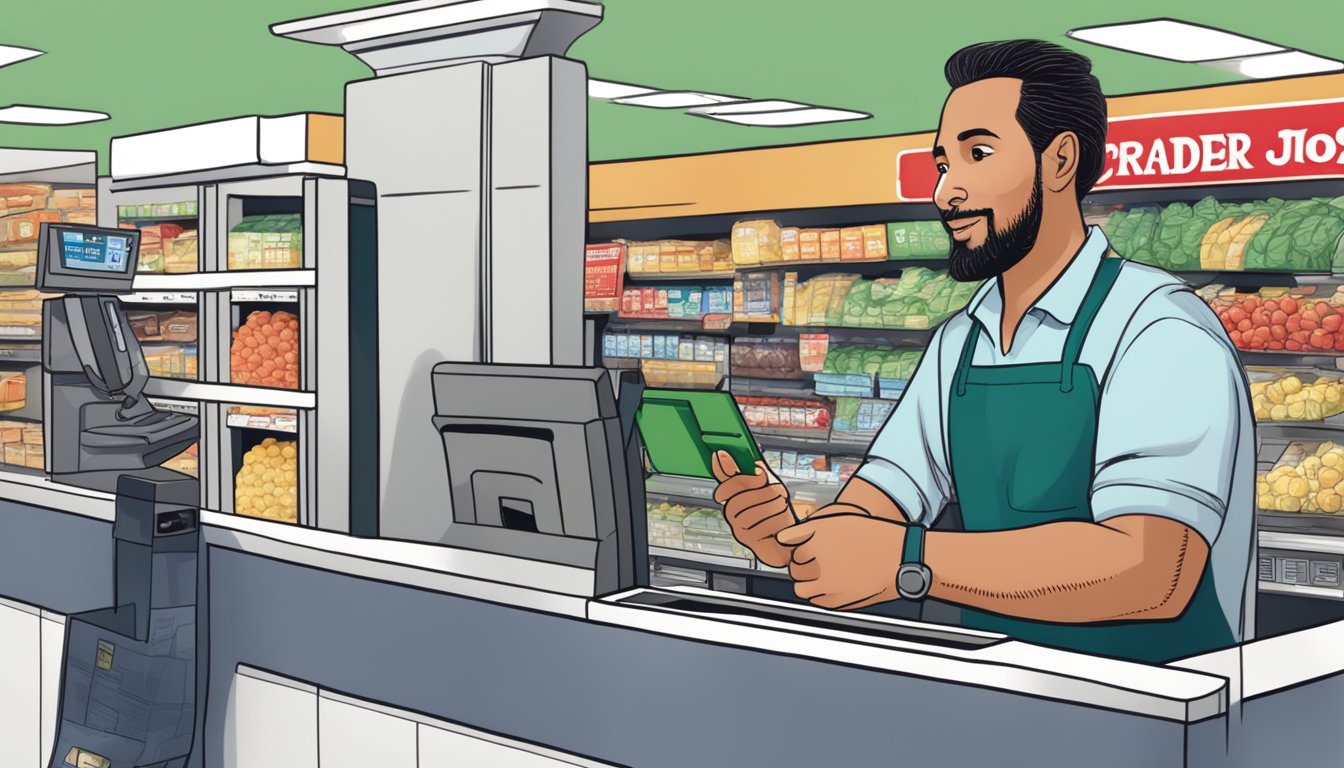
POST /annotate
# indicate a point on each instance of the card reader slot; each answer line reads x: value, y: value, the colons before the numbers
x: 708, y: 606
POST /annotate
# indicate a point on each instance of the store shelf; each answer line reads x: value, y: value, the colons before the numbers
x: 1291, y: 360
x: 1300, y: 430
x: 216, y: 281
x: 1254, y: 280
x: 175, y: 406
x: 166, y: 343
x: 161, y: 297
x: 844, y: 335
x: 21, y: 352
x: 1297, y: 541
x: 230, y: 393
x: 136, y: 219
x: 268, y: 423
x: 831, y: 447
x: 1301, y: 590
x: 34, y: 340
x: 719, y: 226
x: 281, y: 297
x: 1305, y: 523
x: 662, y: 277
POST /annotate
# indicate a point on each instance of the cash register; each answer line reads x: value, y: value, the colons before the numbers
x: 99, y: 424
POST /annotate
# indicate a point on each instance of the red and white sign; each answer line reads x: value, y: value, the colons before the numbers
x: 603, y: 276
x: 1238, y: 145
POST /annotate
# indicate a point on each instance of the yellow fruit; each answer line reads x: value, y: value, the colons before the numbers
x: 1275, y: 393
x: 1297, y: 487
x: 1332, y: 460
x: 1280, y: 486
x: 1310, y: 465
x: 1325, y: 448
x: 1278, y: 412
x: 1297, y: 411
x: 1330, y: 477
x: 1329, y: 501
x: 1261, y: 413
x: 289, y: 452
x: 1289, y: 504
x: 1267, y: 501
x: 1317, y: 394
x: 1315, y: 410
x: 1339, y: 488
x: 1314, y: 483
x: 1332, y: 393
x: 1262, y: 487
x: 1290, y: 385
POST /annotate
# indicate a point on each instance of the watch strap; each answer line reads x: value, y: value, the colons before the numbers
x: 914, y: 544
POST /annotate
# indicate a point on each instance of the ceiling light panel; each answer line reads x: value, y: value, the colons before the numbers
x: 27, y: 115
x: 13, y: 54
x: 1284, y: 64
x: 675, y: 100
x: 606, y: 89
x: 791, y: 117
x: 1174, y: 40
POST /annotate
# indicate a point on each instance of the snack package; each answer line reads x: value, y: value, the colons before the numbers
x: 756, y: 242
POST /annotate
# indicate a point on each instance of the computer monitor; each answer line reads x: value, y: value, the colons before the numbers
x: 86, y: 260
x: 536, y: 461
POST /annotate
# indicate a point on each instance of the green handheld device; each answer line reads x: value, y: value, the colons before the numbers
x: 682, y: 429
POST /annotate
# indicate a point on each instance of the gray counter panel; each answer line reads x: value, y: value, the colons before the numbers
x: 626, y: 696
x: 54, y: 560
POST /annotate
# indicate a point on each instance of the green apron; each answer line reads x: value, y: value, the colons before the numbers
x: 1023, y: 443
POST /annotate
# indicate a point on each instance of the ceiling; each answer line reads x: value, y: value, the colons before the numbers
x: 157, y: 63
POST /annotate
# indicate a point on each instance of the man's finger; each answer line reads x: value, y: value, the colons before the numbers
x: 809, y: 590
x: 761, y: 514
x: 738, y: 484
x: 809, y: 571
x: 720, y: 462
x: 864, y: 603
x: 797, y: 534
x: 764, y: 469
x: 831, y: 602
x: 803, y: 554
x: 745, y: 500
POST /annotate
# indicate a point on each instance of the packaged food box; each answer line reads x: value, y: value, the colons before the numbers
x: 267, y: 242
x: 24, y: 227
x: 809, y: 245
x: 874, y: 242
x: 756, y: 242
x: 679, y: 373
x: 66, y: 198
x: 756, y: 297
x: 634, y: 258
x: 646, y: 346
x: 851, y: 244
x: 688, y: 260
x: 34, y: 456
x: 917, y: 240
x: 179, y: 326
x: 16, y: 454
x: 812, y: 350
x: 84, y: 216
x: 765, y: 358
x: 667, y: 256
x: 25, y: 189
x: 32, y: 434
x: 11, y: 432
x: 13, y: 392
x: 145, y: 325
x: 788, y: 243
x: 189, y: 365
x: 830, y: 245
x: 718, y: 300
x: 15, y: 260
x: 180, y: 254
x: 652, y: 257
x: 686, y: 348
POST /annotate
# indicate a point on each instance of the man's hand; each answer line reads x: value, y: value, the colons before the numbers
x: 756, y: 506
x: 844, y: 561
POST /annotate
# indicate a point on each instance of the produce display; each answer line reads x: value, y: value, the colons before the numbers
x: 1275, y: 320
x: 187, y: 462
x: 872, y: 360
x: 1304, y: 480
x: 693, y: 528
x: 921, y: 298
x: 1264, y: 235
x: 1288, y: 398
x: 267, y: 485
x: 166, y: 247
x: 265, y: 351
x: 267, y: 242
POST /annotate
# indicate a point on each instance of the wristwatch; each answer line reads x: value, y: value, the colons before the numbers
x: 914, y: 577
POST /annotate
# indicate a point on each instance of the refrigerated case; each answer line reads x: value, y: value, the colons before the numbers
x: 226, y: 305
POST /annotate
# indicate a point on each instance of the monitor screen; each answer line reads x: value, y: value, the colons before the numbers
x: 95, y: 251
x: 80, y: 259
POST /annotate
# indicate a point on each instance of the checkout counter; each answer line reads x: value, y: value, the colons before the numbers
x: 526, y: 631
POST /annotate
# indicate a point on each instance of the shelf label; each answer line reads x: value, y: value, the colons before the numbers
x: 278, y: 296
x: 159, y: 298
x: 1217, y: 146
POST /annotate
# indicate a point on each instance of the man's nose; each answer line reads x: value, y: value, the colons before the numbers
x: 948, y: 195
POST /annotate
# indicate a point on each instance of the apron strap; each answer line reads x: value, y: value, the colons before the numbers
x: 1087, y: 312
x: 967, y: 354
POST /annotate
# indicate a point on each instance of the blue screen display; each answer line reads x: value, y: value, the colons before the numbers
x: 95, y: 252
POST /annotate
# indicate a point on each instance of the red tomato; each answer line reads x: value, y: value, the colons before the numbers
x: 1300, y: 336
x: 1339, y: 343
x: 1309, y: 325
x: 1322, y: 309
x: 1293, y: 346
x: 1250, y: 303
x: 1294, y: 323
x: 1332, y: 323
x: 1235, y: 336
x: 1275, y: 345
x: 1310, y: 314
x: 1262, y: 333
x: 1321, y: 339
x: 1236, y: 314
x: 1278, y: 317
x: 1261, y: 317
x: 1245, y: 325
x: 1288, y: 304
x: 1278, y: 332
x: 1272, y: 305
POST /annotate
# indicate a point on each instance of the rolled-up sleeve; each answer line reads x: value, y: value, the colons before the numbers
x: 1167, y: 433
x: 907, y: 459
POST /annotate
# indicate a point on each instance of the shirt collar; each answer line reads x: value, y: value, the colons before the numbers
x: 1061, y: 300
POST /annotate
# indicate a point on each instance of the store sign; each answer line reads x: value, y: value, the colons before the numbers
x: 1228, y: 146
x: 603, y: 270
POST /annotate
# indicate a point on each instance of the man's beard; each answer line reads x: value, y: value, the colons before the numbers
x: 1001, y: 251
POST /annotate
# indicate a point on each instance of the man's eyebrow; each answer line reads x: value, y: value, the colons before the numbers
x: 964, y: 135
x: 939, y: 152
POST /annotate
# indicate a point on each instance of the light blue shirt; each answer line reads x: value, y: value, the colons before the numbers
x: 1175, y: 432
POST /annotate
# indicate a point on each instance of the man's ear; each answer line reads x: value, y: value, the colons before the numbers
x: 1059, y: 162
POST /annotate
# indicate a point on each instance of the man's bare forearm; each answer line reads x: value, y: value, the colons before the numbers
x: 1136, y: 567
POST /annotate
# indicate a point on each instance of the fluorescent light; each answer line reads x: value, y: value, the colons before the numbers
x: 750, y: 107
x: 1174, y: 40
x: 790, y: 117
x: 13, y: 54
x: 27, y: 115
x: 675, y: 99
x: 606, y: 89
x: 1283, y: 64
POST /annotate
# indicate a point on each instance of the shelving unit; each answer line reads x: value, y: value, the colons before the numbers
x: 334, y: 212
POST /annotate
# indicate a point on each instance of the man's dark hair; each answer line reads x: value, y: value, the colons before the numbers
x: 1059, y: 94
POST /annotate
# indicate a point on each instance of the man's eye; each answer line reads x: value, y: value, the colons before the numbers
x: 942, y: 167
x: 981, y: 151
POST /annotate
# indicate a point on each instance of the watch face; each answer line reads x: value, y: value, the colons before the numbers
x: 912, y: 581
